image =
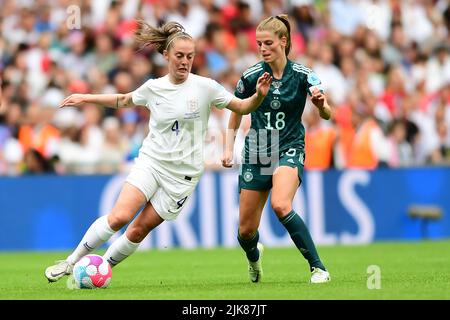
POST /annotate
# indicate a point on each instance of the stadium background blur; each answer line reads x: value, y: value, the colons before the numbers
x: 386, y: 70
x: 383, y: 60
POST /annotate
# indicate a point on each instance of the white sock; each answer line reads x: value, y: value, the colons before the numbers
x: 97, y: 234
x: 120, y: 250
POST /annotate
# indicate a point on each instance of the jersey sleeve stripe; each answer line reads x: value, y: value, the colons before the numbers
x: 254, y: 71
x: 301, y: 67
x: 301, y: 70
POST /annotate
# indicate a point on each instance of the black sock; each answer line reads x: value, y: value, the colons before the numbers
x: 250, y: 246
x: 302, y: 239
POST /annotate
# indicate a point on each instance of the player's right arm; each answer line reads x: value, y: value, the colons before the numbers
x: 233, y: 126
x: 251, y: 103
x: 115, y: 101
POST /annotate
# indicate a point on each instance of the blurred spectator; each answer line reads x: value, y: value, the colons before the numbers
x: 345, y: 16
x: 400, y: 151
x: 416, y: 21
x: 369, y: 148
x: 134, y: 133
x: 378, y: 15
x: 441, y: 155
x: 219, y: 41
x: 319, y: 141
x: 37, y: 132
x: 331, y: 76
x: 91, y: 130
x: 104, y: 57
x: 393, y: 50
x: 303, y: 13
x: 114, y: 148
x: 190, y: 15
x: 76, y: 56
x: 35, y: 163
x: 395, y: 90
x: 438, y: 68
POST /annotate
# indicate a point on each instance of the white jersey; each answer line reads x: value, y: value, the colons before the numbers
x: 178, y: 121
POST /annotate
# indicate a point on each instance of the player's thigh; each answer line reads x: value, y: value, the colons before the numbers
x: 139, y: 187
x: 130, y: 200
x: 143, y: 177
x: 285, y: 185
x: 286, y: 180
x: 251, y: 205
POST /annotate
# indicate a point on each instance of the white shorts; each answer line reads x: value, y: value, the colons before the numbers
x: 167, y: 194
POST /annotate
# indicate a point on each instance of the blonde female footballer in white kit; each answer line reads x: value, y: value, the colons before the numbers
x: 170, y: 161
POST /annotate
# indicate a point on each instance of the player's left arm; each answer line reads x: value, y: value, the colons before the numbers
x: 317, y: 93
x: 319, y: 99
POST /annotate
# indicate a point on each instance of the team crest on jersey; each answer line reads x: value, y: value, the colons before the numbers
x: 248, y: 176
x: 277, y: 85
x: 240, y: 86
x: 192, y: 109
x: 275, y: 104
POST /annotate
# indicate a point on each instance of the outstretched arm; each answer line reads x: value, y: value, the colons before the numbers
x: 115, y: 101
x: 230, y: 136
x: 319, y: 99
x: 245, y: 106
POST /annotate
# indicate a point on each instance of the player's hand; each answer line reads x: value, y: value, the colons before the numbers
x: 263, y: 84
x: 227, y: 159
x: 318, y: 98
x: 73, y: 100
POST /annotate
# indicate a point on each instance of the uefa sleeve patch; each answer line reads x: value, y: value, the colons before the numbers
x: 313, y: 79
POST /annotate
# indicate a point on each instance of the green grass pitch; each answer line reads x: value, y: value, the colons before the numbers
x: 409, y: 270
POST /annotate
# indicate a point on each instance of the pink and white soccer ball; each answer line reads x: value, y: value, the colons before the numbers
x: 92, y: 271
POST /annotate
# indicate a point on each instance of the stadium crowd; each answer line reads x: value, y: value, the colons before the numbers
x: 385, y: 65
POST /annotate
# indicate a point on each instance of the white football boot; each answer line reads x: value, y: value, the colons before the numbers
x: 255, y: 268
x: 59, y: 270
x: 319, y: 276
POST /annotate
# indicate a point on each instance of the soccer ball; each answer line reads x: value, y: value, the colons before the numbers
x: 92, y: 271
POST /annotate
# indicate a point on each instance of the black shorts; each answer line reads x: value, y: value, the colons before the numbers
x: 258, y: 176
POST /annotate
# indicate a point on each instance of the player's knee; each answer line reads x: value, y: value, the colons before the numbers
x: 136, y: 233
x: 116, y: 221
x: 281, y: 207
